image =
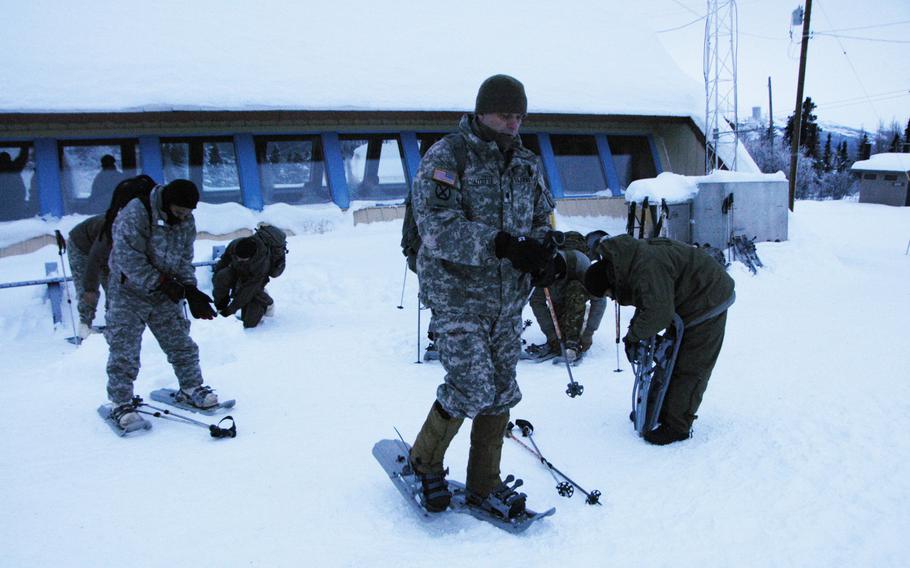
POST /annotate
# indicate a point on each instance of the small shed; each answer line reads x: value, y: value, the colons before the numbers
x: 884, y: 178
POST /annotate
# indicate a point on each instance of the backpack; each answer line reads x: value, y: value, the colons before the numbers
x: 410, y: 237
x: 276, y: 241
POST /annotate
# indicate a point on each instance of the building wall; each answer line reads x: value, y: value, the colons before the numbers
x: 884, y: 191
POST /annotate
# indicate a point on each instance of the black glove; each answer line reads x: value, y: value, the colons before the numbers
x: 221, y: 304
x: 172, y: 289
x: 553, y: 271
x: 525, y: 254
x: 200, y: 303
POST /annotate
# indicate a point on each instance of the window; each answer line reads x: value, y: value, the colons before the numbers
x: 292, y: 169
x: 578, y: 164
x: 374, y: 166
x: 18, y: 186
x: 890, y: 177
x: 869, y: 176
x: 90, y: 170
x: 632, y: 158
x: 210, y: 163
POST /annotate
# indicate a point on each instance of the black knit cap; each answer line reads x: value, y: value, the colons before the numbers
x: 180, y: 192
x: 501, y: 93
x: 245, y: 248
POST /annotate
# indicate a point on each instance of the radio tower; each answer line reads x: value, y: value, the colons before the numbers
x: 721, y: 39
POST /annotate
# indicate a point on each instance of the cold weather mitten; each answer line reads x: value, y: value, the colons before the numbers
x: 631, y: 346
x: 172, y: 289
x: 525, y: 254
x: 200, y: 303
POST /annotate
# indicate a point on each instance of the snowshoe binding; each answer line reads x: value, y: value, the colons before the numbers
x: 539, y: 353
x: 503, y: 501
x: 201, y: 399
x: 124, y: 419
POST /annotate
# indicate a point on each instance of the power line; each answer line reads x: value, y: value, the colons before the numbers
x: 695, y: 21
x: 869, y: 27
x: 861, y: 38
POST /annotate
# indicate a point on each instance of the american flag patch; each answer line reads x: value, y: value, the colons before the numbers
x: 444, y: 176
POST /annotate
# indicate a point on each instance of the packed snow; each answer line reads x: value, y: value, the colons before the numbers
x: 798, y: 457
x: 675, y: 188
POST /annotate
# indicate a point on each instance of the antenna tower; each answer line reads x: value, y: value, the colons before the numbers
x: 721, y: 118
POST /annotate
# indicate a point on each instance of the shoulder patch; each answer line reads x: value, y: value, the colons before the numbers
x: 444, y: 176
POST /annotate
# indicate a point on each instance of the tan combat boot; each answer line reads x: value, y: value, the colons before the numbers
x: 427, y: 456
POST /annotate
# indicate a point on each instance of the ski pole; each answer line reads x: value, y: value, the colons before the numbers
x: 617, y: 369
x: 418, y: 361
x: 573, y: 389
x: 564, y: 489
x: 403, y: 282
x: 61, y: 248
x: 215, y: 430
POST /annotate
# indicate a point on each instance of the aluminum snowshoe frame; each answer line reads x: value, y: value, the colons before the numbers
x: 655, y: 359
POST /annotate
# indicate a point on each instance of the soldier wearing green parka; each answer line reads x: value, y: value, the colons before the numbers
x: 662, y: 277
x: 480, y: 226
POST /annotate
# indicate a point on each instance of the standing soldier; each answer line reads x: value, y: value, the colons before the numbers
x: 243, y: 271
x: 151, y: 272
x: 481, y: 205
x: 661, y: 277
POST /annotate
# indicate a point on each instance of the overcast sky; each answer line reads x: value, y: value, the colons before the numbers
x: 871, y: 82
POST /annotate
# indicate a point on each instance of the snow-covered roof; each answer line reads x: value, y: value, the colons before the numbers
x: 675, y: 188
x: 114, y: 55
x: 884, y: 162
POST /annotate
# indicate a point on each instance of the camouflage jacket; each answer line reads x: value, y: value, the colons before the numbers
x: 458, y: 219
x: 145, y: 247
x: 661, y: 277
x: 236, y: 282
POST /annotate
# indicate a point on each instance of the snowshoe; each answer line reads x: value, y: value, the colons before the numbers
x: 539, y: 353
x: 123, y: 418
x: 198, y: 400
x: 431, y: 353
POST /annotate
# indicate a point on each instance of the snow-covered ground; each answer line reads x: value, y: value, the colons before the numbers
x: 799, y: 456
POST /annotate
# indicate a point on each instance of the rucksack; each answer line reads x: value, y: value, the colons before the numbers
x: 276, y: 241
x: 410, y: 237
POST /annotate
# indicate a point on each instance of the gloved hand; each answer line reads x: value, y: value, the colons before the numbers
x: 525, y: 254
x: 554, y: 270
x: 631, y: 346
x: 200, y: 303
x: 171, y: 288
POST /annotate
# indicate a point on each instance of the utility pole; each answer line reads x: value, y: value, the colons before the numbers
x: 798, y: 113
x: 770, y: 116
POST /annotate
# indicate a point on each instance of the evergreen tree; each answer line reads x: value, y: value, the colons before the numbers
x: 827, y: 156
x: 864, y: 149
x: 895, y: 143
x: 907, y: 137
x: 842, y: 161
x: 809, y: 131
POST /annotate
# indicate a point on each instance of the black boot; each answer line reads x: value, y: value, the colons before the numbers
x: 503, y: 501
x: 427, y: 455
x: 663, y: 435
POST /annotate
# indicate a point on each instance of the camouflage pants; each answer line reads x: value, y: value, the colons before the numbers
x: 697, y: 356
x: 569, y: 300
x: 78, y: 261
x: 127, y: 318
x: 479, y: 355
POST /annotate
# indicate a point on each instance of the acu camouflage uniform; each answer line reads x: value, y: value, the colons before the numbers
x: 145, y: 247
x: 81, y: 239
x: 240, y: 284
x: 476, y: 299
x: 570, y: 301
x: 661, y: 277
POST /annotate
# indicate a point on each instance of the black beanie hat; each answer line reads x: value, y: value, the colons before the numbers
x: 245, y: 248
x: 501, y: 93
x: 180, y: 192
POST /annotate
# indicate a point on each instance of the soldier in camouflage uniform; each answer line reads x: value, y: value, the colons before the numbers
x: 480, y: 245
x: 570, y: 301
x: 243, y: 271
x: 661, y: 277
x: 80, y: 241
x: 151, y: 271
